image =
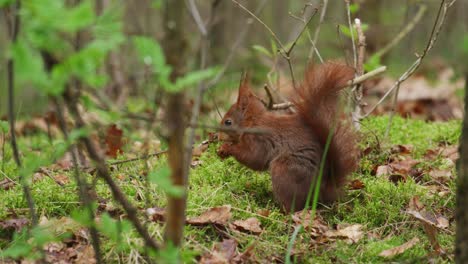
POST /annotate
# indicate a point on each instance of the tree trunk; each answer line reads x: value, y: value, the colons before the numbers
x: 461, y: 215
x: 175, y: 46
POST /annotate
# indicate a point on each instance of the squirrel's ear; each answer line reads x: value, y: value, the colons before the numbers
x: 244, y: 89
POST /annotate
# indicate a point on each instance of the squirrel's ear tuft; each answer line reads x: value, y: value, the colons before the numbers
x: 244, y: 88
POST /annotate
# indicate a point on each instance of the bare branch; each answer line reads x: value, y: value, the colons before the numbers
x: 313, y: 49
x: 14, y: 26
x: 355, y: 81
x: 348, y: 11
x: 409, y: 27
x: 438, y: 24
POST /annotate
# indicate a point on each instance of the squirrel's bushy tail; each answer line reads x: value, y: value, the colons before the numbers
x: 317, y: 103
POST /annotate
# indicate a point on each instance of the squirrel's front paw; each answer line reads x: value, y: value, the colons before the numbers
x: 223, y: 151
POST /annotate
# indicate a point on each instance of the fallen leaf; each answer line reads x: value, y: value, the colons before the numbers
x: 223, y: 252
x: 316, y: 228
x: 6, y: 184
x: 402, y: 149
x: 415, y: 204
x: 441, y: 176
x: 263, y: 212
x: 356, y: 185
x: 383, y: 170
x: 389, y: 253
x: 403, y: 166
x: 61, y: 179
x: 251, y: 225
x: 15, y: 224
x: 114, y: 141
x: 156, y: 214
x: 351, y: 232
x: 200, y: 149
x: 216, y: 215
x: 431, y: 223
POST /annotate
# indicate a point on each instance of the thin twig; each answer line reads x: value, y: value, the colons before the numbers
x: 285, y: 53
x: 357, y: 90
x: 409, y: 27
x: 438, y: 23
x: 83, y: 186
x: 348, y: 12
x: 355, y: 81
x: 313, y: 49
x: 234, y: 48
x: 13, y: 32
x: 104, y: 173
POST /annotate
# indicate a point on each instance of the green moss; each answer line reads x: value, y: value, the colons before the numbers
x: 379, y: 206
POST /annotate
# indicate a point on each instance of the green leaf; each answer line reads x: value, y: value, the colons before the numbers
x: 5, y: 2
x: 161, y: 177
x: 262, y: 50
x: 192, y: 78
x: 372, y: 63
x: 345, y: 30
x: 19, y: 246
x: 29, y: 66
x: 354, y: 8
x: 114, y: 229
x: 465, y: 44
x: 4, y: 126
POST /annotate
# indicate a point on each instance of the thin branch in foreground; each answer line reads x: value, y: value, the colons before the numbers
x: 436, y: 29
x: 313, y: 49
x: 104, y: 173
x: 14, y: 26
x: 357, y: 90
x: 348, y: 12
x: 83, y: 186
x: 409, y: 27
x: 285, y: 53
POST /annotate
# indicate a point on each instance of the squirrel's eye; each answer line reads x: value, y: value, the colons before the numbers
x: 228, y: 122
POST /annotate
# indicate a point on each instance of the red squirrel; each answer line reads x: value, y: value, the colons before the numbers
x: 292, y: 146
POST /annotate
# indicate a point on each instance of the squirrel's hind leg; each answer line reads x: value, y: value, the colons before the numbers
x: 291, y: 179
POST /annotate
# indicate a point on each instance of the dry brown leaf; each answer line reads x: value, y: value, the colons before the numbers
x: 263, y: 212
x: 217, y: 215
x: 316, y: 228
x: 402, y: 149
x: 156, y: 214
x: 15, y: 224
x: 6, y: 184
x: 356, y: 185
x: 431, y: 223
x: 442, y: 176
x: 351, y: 232
x: 223, y: 252
x: 415, y: 204
x: 383, y: 170
x: 200, y: 149
x: 114, y: 141
x: 251, y: 225
x: 403, y: 167
x: 389, y: 253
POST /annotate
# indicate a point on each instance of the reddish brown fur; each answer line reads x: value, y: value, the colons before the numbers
x: 293, y: 144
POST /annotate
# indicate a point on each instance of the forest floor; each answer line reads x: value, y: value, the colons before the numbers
x: 399, y: 206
